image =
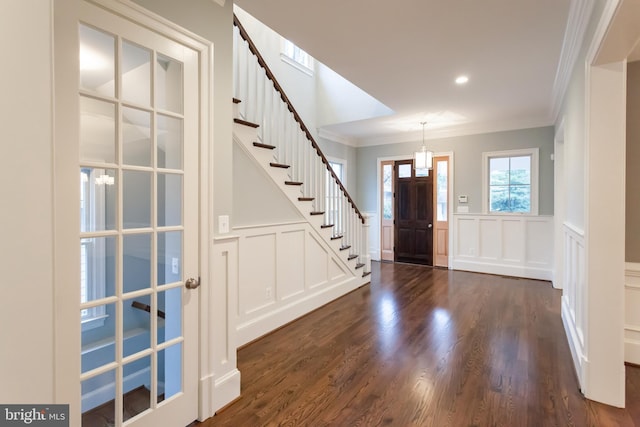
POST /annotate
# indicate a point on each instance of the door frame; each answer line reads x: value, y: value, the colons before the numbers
x: 65, y: 223
x: 450, y: 209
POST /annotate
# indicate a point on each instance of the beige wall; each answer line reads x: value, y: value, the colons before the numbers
x: 26, y: 210
x: 633, y: 158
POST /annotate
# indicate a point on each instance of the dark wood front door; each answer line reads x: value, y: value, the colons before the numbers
x: 413, y: 214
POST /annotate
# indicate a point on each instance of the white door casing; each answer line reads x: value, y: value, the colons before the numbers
x: 129, y: 24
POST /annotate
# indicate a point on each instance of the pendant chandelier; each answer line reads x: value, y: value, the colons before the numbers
x: 423, y: 158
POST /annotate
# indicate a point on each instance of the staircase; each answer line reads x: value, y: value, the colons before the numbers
x: 269, y: 129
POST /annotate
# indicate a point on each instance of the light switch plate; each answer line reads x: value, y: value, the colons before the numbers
x: 223, y: 224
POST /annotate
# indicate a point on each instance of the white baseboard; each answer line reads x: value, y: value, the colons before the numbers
x: 217, y: 392
x: 503, y: 269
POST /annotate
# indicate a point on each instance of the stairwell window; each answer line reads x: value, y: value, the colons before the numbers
x: 293, y: 55
x: 334, y: 202
x: 510, y: 181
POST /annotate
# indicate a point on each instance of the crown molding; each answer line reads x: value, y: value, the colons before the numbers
x: 577, y: 22
x: 450, y: 132
x: 332, y: 136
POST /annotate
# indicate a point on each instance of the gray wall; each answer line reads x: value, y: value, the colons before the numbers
x: 633, y: 158
x: 467, y: 164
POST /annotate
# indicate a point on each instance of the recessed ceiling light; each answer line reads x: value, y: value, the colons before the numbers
x: 460, y: 80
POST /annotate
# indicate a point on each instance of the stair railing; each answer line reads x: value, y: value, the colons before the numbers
x: 265, y: 103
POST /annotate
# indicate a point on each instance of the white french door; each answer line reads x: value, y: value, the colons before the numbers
x: 127, y: 217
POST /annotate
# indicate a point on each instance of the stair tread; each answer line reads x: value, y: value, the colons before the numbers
x: 317, y: 213
x: 339, y: 236
x: 236, y: 101
x: 366, y: 273
x: 359, y: 265
x: 326, y: 226
x: 279, y: 165
x: 306, y: 199
x: 261, y: 145
x: 352, y: 257
x: 246, y: 123
x: 344, y: 248
x: 292, y: 183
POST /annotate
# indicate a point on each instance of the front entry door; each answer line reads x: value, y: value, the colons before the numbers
x: 413, y: 214
x: 127, y: 139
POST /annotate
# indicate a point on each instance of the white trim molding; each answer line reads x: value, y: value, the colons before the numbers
x: 531, y: 152
x: 632, y: 314
x: 574, y: 294
x: 577, y: 22
x: 513, y: 245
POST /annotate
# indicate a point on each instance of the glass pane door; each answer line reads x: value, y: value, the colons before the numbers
x: 131, y: 180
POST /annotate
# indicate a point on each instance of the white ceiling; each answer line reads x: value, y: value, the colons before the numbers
x: 407, y: 53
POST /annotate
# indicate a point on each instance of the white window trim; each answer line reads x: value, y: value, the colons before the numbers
x: 534, y: 153
x: 291, y: 61
x: 96, y: 316
x: 343, y: 162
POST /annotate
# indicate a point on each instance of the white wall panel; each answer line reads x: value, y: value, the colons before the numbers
x: 514, y: 245
x: 513, y: 240
x: 258, y: 255
x: 632, y: 314
x: 574, y: 297
x: 291, y: 267
x: 536, y: 251
x: 487, y: 235
x: 284, y: 271
x: 316, y: 262
x: 467, y: 236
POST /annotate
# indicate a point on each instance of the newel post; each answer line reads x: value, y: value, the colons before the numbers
x: 365, y: 256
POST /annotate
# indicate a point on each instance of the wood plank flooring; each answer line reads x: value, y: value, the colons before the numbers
x: 422, y: 347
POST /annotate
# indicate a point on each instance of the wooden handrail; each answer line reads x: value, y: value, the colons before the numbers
x: 292, y: 110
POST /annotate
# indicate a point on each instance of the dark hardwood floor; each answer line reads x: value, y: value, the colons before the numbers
x: 423, y: 347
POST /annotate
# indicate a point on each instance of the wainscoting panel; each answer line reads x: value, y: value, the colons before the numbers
x: 290, y: 268
x: 574, y: 297
x: 284, y: 271
x: 259, y: 252
x: 632, y: 314
x: 513, y: 245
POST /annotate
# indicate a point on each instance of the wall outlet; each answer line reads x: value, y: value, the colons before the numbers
x: 268, y: 291
x: 175, y: 266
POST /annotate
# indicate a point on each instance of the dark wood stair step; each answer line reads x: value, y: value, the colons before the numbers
x: 279, y: 165
x: 246, y: 123
x: 366, y: 273
x: 317, y: 213
x: 345, y: 247
x: 306, y: 199
x: 236, y: 101
x: 352, y: 257
x: 326, y: 226
x: 261, y: 145
x: 360, y: 265
x: 339, y: 236
x: 292, y: 183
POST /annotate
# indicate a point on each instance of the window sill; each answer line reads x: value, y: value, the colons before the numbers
x: 306, y: 70
x: 94, y: 322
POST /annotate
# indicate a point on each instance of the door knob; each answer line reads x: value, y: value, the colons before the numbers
x: 430, y: 225
x: 192, y: 283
